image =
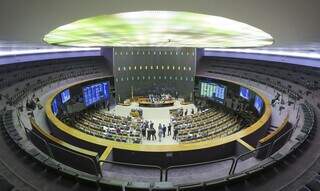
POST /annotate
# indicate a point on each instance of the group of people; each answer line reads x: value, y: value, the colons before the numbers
x: 153, y: 98
x: 148, y: 131
x: 162, y: 129
x: 33, y: 103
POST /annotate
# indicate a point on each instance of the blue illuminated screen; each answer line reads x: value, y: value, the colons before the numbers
x: 95, y: 93
x: 65, y: 96
x: 55, y: 106
x: 220, y: 91
x: 245, y: 93
x: 258, y: 103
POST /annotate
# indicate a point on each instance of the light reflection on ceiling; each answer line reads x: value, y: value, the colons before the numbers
x: 158, y: 29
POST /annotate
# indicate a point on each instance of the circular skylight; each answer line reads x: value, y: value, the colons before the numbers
x: 158, y: 29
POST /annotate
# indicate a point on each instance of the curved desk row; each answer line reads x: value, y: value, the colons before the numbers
x: 163, y: 155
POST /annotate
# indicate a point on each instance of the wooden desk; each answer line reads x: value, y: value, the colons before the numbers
x: 144, y: 102
x: 158, y: 104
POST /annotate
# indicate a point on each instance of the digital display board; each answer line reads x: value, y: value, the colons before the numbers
x: 220, y: 91
x: 207, y: 89
x: 54, y: 106
x: 245, y: 93
x: 158, y: 29
x: 212, y: 90
x: 258, y: 103
x: 65, y: 96
x: 96, y: 92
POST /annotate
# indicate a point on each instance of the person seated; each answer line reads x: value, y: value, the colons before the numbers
x: 118, y: 130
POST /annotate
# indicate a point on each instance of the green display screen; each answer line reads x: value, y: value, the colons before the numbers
x: 158, y: 29
x: 207, y: 89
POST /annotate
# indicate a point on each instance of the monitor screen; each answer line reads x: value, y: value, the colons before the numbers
x: 258, y: 103
x: 65, y: 96
x: 245, y: 93
x: 95, y: 92
x: 207, y: 89
x: 55, y: 106
x: 219, y: 91
x: 212, y: 90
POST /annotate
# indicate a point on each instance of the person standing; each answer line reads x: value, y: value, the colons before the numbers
x: 160, y: 132
x: 148, y: 133
x: 175, y: 133
x: 186, y: 112
x: 169, y: 129
x: 143, y: 130
x: 164, y: 129
x: 153, y: 134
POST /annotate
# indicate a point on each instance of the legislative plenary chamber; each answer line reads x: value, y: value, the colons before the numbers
x: 159, y: 95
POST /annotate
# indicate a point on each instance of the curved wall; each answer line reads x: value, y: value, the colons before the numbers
x: 162, y: 155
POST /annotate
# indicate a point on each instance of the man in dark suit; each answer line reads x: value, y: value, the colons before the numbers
x: 143, y: 130
x: 148, y: 133
x: 164, y: 129
x: 153, y: 134
x: 175, y: 133
x: 169, y: 129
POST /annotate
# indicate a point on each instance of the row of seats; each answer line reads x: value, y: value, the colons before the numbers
x: 11, y: 74
x: 4, y: 184
x: 293, y: 75
x: 57, y: 160
x: 195, y: 118
x: 267, y: 81
x: 206, y: 125
x: 29, y: 88
x: 108, y: 126
x: 312, y: 185
x: 93, y: 180
x: 309, y: 121
x: 308, y: 126
x: 51, y: 156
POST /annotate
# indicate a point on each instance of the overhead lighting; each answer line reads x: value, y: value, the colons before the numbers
x: 158, y: 29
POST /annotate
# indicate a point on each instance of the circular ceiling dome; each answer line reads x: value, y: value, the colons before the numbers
x: 158, y: 29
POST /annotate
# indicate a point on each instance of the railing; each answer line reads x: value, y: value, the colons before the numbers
x: 92, y: 162
x: 165, y: 171
x: 283, y: 136
x: 199, y: 164
x: 253, y: 152
x: 46, y: 149
x: 231, y: 171
x: 83, y: 160
x: 134, y: 165
x: 235, y: 160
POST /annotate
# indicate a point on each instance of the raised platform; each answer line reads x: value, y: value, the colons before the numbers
x: 145, y: 102
x: 156, y: 104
